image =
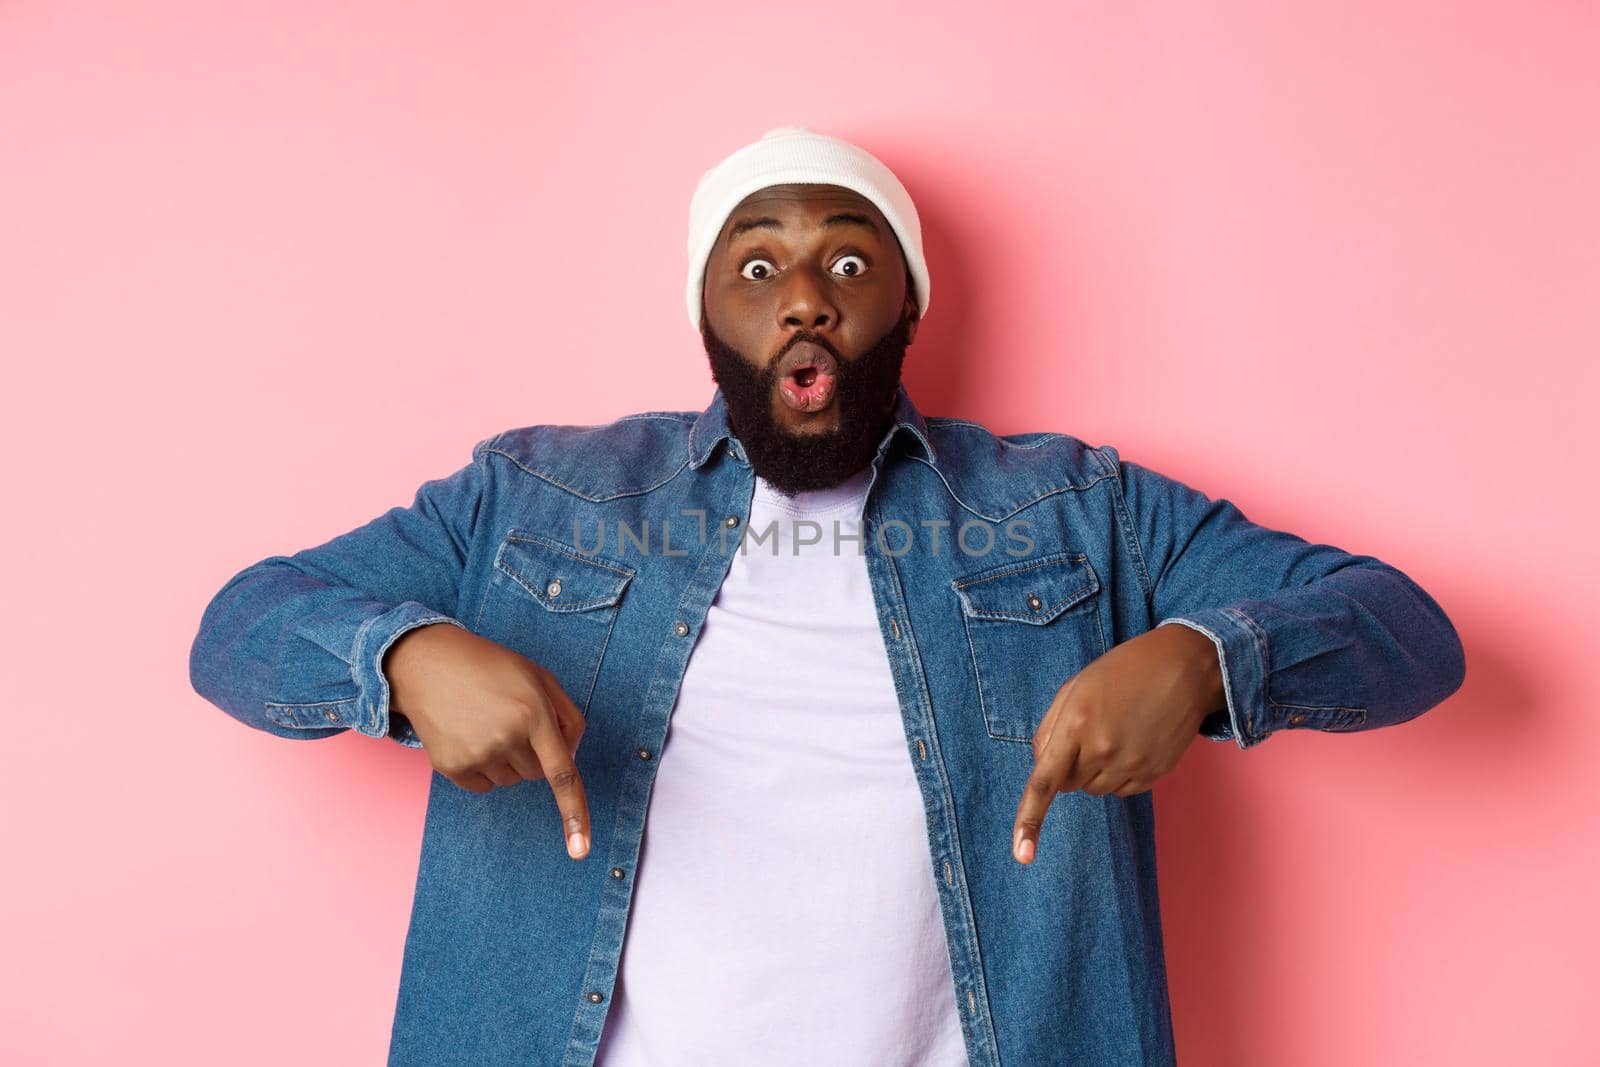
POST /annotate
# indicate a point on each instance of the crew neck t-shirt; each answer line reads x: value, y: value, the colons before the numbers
x: 784, y: 907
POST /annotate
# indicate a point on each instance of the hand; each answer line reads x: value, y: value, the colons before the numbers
x: 488, y: 716
x: 1120, y: 723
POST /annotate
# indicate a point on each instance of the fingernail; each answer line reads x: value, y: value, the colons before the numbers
x: 1025, y: 853
x: 576, y: 845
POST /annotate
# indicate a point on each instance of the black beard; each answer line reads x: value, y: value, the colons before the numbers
x: 864, y: 390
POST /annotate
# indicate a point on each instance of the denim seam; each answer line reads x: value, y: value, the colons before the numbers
x: 1005, y: 569
x: 1130, y: 532
x: 1263, y: 650
x: 544, y: 476
x: 1020, y: 507
x: 377, y: 719
x: 666, y: 646
x: 575, y: 553
x: 943, y: 420
x: 1239, y: 722
x: 269, y: 706
x: 1089, y: 590
x: 977, y: 675
x: 355, y: 667
x: 1263, y: 655
x: 965, y: 918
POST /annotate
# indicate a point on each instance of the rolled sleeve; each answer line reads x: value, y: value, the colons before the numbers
x: 294, y: 644
x: 1240, y: 657
x: 372, y: 717
x: 1308, y: 635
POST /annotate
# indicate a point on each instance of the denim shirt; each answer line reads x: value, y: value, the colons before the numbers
x: 597, y: 550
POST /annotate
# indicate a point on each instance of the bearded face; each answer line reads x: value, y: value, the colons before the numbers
x: 796, y: 459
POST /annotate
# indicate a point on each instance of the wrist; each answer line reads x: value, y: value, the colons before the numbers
x: 399, y: 663
x: 1204, y: 669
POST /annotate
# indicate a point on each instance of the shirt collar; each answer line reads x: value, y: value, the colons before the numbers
x: 712, y: 426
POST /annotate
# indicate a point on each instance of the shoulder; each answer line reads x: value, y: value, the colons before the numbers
x: 996, y: 474
x: 598, y: 461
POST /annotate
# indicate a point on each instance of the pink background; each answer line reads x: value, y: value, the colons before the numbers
x: 264, y: 268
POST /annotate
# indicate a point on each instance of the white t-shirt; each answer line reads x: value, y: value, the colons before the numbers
x: 785, y: 909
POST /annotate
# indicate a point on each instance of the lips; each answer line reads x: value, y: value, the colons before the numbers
x: 806, y: 377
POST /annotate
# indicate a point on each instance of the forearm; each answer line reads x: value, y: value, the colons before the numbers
x: 1360, y: 648
x: 295, y: 656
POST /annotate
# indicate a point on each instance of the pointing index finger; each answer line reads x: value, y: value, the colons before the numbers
x: 562, y: 774
x: 1049, y: 768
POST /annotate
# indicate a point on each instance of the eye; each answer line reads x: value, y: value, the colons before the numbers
x: 857, y: 265
x: 765, y: 266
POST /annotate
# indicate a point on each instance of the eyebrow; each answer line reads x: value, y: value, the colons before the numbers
x: 767, y: 222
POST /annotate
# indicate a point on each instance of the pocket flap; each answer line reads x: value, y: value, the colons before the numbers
x: 560, y: 577
x: 1029, y: 590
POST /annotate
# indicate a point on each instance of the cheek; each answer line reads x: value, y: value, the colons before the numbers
x: 740, y: 318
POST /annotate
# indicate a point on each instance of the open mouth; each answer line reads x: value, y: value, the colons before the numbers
x: 808, y: 377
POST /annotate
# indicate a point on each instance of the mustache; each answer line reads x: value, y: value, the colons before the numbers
x: 803, y: 338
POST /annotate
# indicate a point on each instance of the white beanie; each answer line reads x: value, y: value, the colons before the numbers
x: 797, y: 154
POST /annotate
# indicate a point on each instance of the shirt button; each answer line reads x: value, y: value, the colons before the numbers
x: 1034, y: 602
x: 595, y: 996
x: 644, y: 753
x: 731, y: 520
x: 680, y: 628
x: 1296, y: 720
x: 554, y: 588
x: 333, y: 716
x: 616, y: 872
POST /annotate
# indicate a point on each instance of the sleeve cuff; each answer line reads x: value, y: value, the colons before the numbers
x: 1243, y: 662
x: 370, y: 716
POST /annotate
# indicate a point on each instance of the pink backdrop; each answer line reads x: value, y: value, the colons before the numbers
x: 264, y: 268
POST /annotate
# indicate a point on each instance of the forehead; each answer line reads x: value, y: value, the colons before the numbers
x: 801, y: 204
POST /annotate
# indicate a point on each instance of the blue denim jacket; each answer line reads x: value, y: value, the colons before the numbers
x: 513, y: 947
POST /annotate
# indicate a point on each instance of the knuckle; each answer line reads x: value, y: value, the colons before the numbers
x: 1040, y: 786
x: 563, y: 778
x: 1099, y: 748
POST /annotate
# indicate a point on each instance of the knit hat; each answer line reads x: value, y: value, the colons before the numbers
x: 797, y: 154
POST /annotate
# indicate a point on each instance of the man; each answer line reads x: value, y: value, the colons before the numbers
x: 895, y: 746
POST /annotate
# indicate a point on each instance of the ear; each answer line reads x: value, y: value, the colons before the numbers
x: 911, y: 316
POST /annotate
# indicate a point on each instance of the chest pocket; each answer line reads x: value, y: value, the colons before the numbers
x: 555, y: 605
x: 1031, y: 625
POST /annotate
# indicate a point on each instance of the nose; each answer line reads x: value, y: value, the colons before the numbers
x: 805, y: 303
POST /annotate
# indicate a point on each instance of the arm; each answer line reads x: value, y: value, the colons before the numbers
x: 295, y: 645
x: 1307, y: 635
